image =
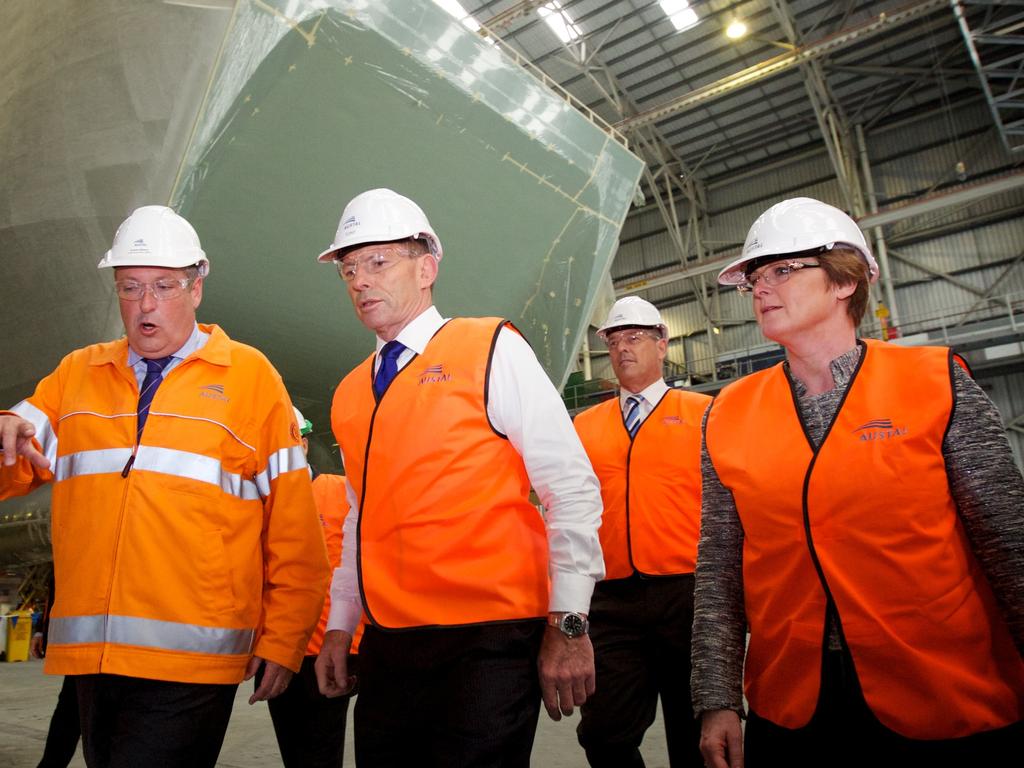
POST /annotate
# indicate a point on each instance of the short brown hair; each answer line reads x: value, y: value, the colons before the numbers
x: 844, y: 266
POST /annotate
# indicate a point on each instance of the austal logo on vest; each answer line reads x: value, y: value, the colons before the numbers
x: 671, y: 420
x: 434, y: 375
x: 214, y: 392
x: 879, y: 429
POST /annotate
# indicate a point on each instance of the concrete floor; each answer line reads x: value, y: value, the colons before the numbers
x: 27, y: 698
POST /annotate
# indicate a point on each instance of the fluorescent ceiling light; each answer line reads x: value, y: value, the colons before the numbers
x: 680, y: 13
x: 560, y: 21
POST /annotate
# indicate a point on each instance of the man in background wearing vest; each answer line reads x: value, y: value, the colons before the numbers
x: 443, y: 431
x: 645, y: 448
x: 185, y: 542
x: 309, y: 726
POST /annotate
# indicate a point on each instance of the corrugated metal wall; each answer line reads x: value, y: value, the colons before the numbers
x: 1007, y: 392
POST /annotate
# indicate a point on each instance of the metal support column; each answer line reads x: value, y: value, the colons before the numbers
x: 881, y: 251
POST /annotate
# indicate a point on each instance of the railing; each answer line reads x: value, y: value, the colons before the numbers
x: 559, y: 91
x: 951, y: 325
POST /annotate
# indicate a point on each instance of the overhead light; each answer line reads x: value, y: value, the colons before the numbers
x: 716, y: 330
x: 560, y: 21
x: 679, y: 13
x: 736, y: 29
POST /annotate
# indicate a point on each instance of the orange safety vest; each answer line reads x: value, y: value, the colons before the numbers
x: 332, y: 506
x: 207, y: 551
x: 867, y: 521
x: 447, y: 534
x: 650, y: 484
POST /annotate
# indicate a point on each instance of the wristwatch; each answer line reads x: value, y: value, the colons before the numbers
x: 570, y: 623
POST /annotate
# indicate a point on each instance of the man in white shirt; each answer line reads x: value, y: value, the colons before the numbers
x: 444, y: 430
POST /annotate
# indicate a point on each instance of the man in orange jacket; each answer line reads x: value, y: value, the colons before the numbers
x: 309, y: 726
x: 645, y: 448
x: 185, y: 542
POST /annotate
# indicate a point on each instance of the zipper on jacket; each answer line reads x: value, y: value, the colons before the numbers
x: 130, y: 462
x: 113, y: 567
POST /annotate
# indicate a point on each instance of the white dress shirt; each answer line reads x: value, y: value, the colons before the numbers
x: 649, y: 398
x: 196, y: 340
x: 525, y: 407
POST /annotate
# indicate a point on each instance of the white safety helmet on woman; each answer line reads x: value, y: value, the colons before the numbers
x: 794, y: 226
x: 155, y: 236
x: 380, y: 216
x: 633, y: 312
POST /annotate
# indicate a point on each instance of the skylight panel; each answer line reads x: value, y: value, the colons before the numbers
x: 680, y: 13
x: 561, y: 23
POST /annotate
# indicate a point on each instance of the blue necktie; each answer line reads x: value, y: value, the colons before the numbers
x: 388, y: 366
x: 632, y: 414
x: 154, y: 375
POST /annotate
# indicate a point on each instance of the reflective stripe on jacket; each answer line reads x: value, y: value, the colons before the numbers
x: 650, y: 485
x: 866, y: 521
x: 447, y: 534
x: 166, y: 564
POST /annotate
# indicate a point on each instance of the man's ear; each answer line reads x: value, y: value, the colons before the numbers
x: 428, y: 271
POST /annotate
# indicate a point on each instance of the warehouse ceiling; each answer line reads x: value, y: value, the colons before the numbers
x: 705, y: 111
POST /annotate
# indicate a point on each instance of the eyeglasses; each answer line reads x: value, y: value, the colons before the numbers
x: 372, y: 263
x: 162, y: 290
x: 773, y: 274
x: 628, y: 338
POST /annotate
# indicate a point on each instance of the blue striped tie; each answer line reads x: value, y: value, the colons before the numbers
x: 389, y: 354
x: 154, y: 375
x: 632, y: 414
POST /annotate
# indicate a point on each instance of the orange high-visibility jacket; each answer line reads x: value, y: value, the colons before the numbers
x: 207, y: 549
x: 332, y: 506
x: 650, y: 484
x: 869, y: 522
x: 447, y: 534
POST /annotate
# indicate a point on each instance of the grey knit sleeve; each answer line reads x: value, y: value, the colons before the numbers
x: 719, y: 619
x: 989, y: 493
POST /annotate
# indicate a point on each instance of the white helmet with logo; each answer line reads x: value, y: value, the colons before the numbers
x: 792, y: 226
x: 632, y: 312
x: 381, y: 216
x: 155, y: 236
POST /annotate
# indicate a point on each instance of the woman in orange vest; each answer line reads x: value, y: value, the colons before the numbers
x: 862, y: 516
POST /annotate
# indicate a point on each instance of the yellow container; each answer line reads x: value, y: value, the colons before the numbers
x: 19, y: 634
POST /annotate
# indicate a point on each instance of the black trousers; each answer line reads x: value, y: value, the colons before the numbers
x: 62, y: 738
x: 845, y: 733
x: 459, y: 697
x: 310, y: 727
x: 641, y: 631
x: 129, y: 722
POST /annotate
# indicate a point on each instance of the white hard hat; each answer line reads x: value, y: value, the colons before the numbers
x: 792, y: 226
x: 632, y: 311
x: 381, y: 216
x: 155, y: 236
x: 305, y: 425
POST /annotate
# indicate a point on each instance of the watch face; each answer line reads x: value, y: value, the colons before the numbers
x: 572, y: 625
